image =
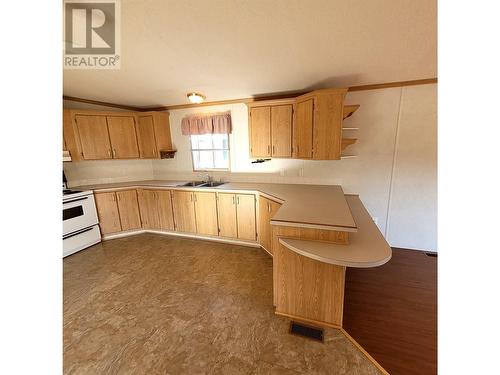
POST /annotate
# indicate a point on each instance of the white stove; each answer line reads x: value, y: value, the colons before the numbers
x: 80, y: 223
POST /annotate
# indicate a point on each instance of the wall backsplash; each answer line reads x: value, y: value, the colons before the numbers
x: 383, y: 115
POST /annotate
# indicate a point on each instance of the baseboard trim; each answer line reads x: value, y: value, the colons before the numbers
x: 177, y: 234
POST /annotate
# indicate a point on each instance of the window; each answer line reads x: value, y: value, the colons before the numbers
x: 210, y: 151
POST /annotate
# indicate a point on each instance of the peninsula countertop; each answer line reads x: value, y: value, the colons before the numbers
x: 315, y: 206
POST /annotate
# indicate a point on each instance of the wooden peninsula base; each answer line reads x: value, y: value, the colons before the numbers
x: 309, y: 266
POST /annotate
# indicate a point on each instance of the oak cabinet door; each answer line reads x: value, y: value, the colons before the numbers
x: 281, y: 131
x: 245, y: 215
x: 184, y: 214
x: 107, y: 212
x: 327, y: 137
x: 94, y: 137
x: 226, y: 209
x: 260, y: 131
x: 165, y: 209
x: 148, y: 205
x: 303, y: 129
x: 267, y: 209
x: 128, y: 208
x: 123, y: 138
x: 146, y: 137
x: 205, y: 204
x: 162, y: 130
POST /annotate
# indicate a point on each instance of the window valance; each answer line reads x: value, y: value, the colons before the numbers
x: 209, y: 123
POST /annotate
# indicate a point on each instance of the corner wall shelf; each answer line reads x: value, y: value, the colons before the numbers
x: 350, y: 128
x: 349, y: 110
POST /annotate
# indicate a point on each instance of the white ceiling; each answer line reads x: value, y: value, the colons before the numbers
x: 230, y: 49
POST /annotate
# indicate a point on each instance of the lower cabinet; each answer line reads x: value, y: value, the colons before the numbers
x: 107, y: 212
x: 236, y: 214
x: 245, y: 215
x: 267, y: 209
x: 184, y: 211
x: 148, y: 204
x: 226, y: 204
x: 128, y: 208
x: 205, y: 204
x: 206, y: 213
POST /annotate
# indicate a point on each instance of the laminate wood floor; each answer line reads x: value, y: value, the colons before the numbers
x: 391, y: 311
x: 152, y: 304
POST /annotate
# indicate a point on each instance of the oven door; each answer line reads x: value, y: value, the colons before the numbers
x: 79, y: 213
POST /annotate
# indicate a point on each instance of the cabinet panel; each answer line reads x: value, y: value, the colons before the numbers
x: 165, y: 212
x: 123, y: 137
x: 260, y: 131
x: 184, y: 214
x: 328, y: 115
x: 107, y: 212
x: 281, y: 131
x: 94, y: 137
x: 162, y: 131
x: 226, y: 209
x: 267, y: 209
x: 303, y: 129
x: 245, y: 213
x: 146, y: 137
x: 148, y: 205
x: 206, y: 213
x: 128, y: 208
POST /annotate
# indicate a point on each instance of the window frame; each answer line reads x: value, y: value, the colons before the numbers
x: 228, y: 169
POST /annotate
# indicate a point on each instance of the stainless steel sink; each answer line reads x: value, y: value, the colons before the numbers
x: 211, y: 184
x: 193, y: 183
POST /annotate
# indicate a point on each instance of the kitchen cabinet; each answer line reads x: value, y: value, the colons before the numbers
x: 267, y: 209
x: 236, y: 214
x: 184, y: 211
x: 245, y: 216
x: 226, y: 210
x: 260, y: 131
x: 303, y: 129
x: 281, y: 131
x: 107, y: 212
x: 128, y: 208
x: 99, y: 135
x: 153, y: 132
x: 165, y: 213
x: 94, y: 137
x: 205, y: 204
x: 271, y: 130
x: 148, y: 204
x: 318, y: 125
x: 122, y: 136
x: 308, y: 126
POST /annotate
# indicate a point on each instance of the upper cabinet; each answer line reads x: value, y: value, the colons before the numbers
x: 93, y: 135
x: 306, y: 127
x: 153, y: 132
x: 270, y: 129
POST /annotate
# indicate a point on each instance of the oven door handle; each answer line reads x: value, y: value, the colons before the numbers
x: 75, y: 200
x: 78, y: 232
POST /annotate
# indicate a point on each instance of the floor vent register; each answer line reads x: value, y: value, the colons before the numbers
x: 313, y: 333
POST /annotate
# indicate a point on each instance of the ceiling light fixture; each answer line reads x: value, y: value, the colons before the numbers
x: 195, y: 97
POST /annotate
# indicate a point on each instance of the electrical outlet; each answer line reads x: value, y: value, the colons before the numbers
x: 301, y: 172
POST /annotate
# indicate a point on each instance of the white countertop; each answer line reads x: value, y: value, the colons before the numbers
x: 367, y: 247
x: 315, y: 206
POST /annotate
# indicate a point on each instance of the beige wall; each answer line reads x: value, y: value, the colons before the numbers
x: 394, y: 171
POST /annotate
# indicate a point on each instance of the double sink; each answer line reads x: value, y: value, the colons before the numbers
x: 200, y: 184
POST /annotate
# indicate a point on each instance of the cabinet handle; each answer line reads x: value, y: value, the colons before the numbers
x: 268, y: 207
x: 233, y: 199
x: 114, y: 152
x: 238, y: 200
x: 118, y: 196
x: 191, y: 197
x: 195, y: 198
x: 273, y: 149
x: 109, y: 152
x: 268, y: 149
